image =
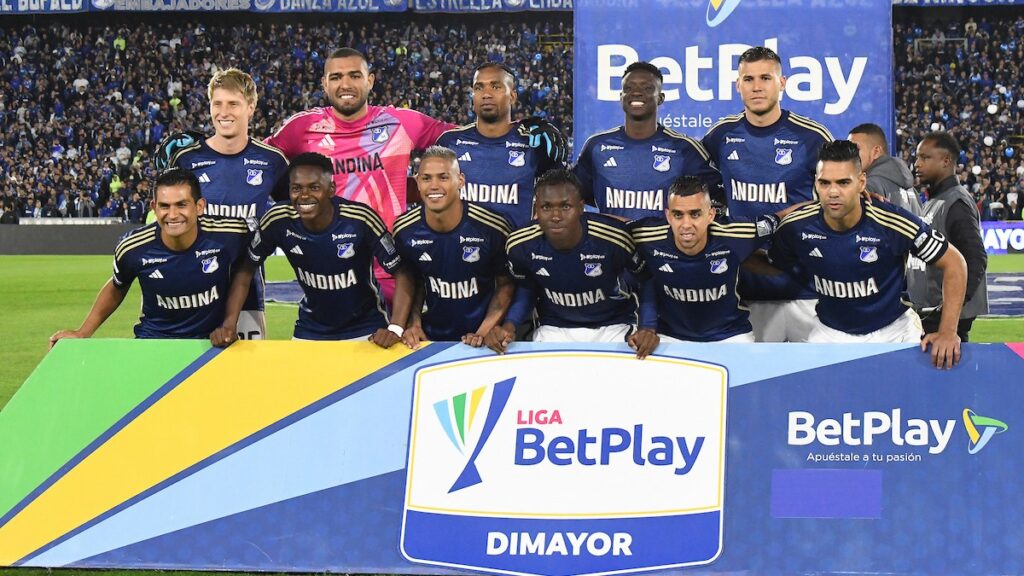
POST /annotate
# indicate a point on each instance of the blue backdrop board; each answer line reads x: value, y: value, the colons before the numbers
x: 551, y: 460
x: 837, y: 57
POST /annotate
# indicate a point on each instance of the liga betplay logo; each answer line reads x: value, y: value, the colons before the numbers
x: 568, y: 462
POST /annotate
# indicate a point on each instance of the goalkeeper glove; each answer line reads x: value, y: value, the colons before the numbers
x: 544, y: 136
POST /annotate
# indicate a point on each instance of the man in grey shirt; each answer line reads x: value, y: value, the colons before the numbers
x: 887, y: 176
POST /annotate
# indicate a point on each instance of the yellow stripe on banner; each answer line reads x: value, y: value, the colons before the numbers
x: 246, y: 388
x: 474, y: 403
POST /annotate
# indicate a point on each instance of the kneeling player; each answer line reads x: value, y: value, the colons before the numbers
x: 331, y: 243
x: 856, y: 254
x: 570, y: 265
x: 458, y: 248
x: 183, y: 262
x: 693, y: 263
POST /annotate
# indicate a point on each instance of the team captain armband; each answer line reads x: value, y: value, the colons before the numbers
x: 929, y: 245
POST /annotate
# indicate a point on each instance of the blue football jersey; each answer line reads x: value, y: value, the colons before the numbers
x: 456, y: 269
x: 499, y: 171
x: 631, y: 178
x: 236, y: 185
x: 694, y: 298
x: 765, y: 169
x: 183, y: 293
x: 341, y: 299
x: 584, y: 287
x: 859, y: 274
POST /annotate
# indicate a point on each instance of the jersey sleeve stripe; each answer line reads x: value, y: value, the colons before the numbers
x: 811, y: 125
x: 611, y: 232
x: 651, y: 238
x: 406, y: 219
x: 272, y: 217
x: 627, y: 246
x: 376, y: 225
x: 515, y: 241
x: 524, y: 232
x: 273, y: 149
x: 134, y: 241
x: 800, y: 214
x: 896, y: 223
x: 726, y: 120
x: 650, y: 228
x: 734, y: 231
x: 490, y: 218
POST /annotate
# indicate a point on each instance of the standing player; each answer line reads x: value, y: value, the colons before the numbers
x: 501, y: 159
x: 693, y: 263
x: 570, y: 265
x: 237, y: 173
x: 951, y: 210
x: 856, y: 252
x: 888, y: 177
x: 627, y: 171
x: 767, y: 157
x: 458, y: 248
x: 331, y: 243
x: 183, y: 263
x: 369, y: 146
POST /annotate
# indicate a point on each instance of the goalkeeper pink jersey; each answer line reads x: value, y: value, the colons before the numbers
x: 370, y: 155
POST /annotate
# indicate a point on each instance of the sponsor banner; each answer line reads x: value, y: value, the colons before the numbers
x: 490, y: 5
x: 342, y: 457
x: 838, y: 74
x: 1003, y: 237
x: 514, y: 469
x: 42, y: 6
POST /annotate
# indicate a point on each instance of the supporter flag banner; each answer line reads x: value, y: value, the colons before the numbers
x: 490, y: 5
x: 60, y: 6
x: 1003, y: 237
x: 838, y: 73
x: 550, y: 460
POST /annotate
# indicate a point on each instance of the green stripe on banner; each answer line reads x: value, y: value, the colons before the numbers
x: 75, y: 395
x: 459, y: 406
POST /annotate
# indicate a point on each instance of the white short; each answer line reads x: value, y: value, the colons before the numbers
x: 782, y: 320
x: 746, y: 337
x: 252, y: 325
x: 610, y: 333
x: 906, y: 328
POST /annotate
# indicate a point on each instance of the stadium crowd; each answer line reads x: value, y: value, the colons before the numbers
x: 83, y: 105
x: 965, y: 77
x: 83, y: 102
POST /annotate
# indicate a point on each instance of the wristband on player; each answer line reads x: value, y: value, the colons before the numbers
x: 396, y: 330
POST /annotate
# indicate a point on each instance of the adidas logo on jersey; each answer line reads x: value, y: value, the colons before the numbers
x: 155, y: 274
x: 426, y: 258
x: 665, y: 268
x: 465, y: 158
x: 816, y: 253
x: 609, y: 163
x: 543, y: 272
x: 734, y: 156
x: 326, y: 142
x: 296, y: 250
x: 204, y: 178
